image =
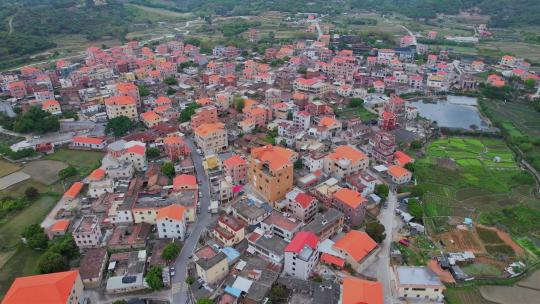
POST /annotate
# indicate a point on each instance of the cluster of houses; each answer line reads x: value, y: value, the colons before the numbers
x: 290, y: 181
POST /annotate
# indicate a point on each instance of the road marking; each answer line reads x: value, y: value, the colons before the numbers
x: 177, y: 287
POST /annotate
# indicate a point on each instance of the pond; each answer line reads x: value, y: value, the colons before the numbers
x: 455, y: 112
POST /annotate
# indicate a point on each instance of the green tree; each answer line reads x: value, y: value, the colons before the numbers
x: 530, y: 83
x: 170, y: 91
x: 190, y: 280
x: 409, y: 166
x: 188, y: 111
x: 416, y: 144
x: 119, y: 301
x: 415, y: 208
x: 298, y: 164
x: 154, y: 279
x: 67, y: 172
x: 355, y: 102
x: 36, y: 120
x: 170, y: 252
x: 31, y: 193
x: 382, y: 190
x: 152, y: 152
x: 143, y: 90
x: 376, y: 231
x: 35, y: 237
x: 51, y: 262
x: 65, y: 246
x: 168, y: 169
x: 290, y: 116
x: 205, y: 301
x: 171, y: 80
x: 239, y: 104
x: 119, y: 126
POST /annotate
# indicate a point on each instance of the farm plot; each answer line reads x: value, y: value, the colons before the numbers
x: 44, y: 171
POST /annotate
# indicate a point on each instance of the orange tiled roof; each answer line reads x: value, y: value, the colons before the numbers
x: 50, y: 103
x: 357, y: 244
x: 174, y: 212
x: 125, y: 87
x: 88, y: 140
x: 349, y: 197
x: 120, y: 101
x: 163, y: 100
x: 173, y: 140
x: 277, y: 157
x: 45, y: 288
x: 150, y: 116
x: 358, y: 291
x: 402, y: 158
x: 74, y: 190
x: 184, y: 180
x: 234, y: 160
x: 397, y: 171
x: 97, y: 174
x: 330, y: 259
x: 327, y: 121
x: 206, y: 129
x: 347, y: 152
x: 60, y: 225
x: 137, y: 149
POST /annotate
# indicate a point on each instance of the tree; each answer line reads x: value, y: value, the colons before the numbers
x: 239, y: 104
x: 409, y: 166
x: 188, y: 111
x: 190, y: 280
x: 152, y: 152
x: 120, y: 302
x: 31, y: 193
x: 143, y: 90
x: 168, y: 169
x: 301, y: 70
x: 35, y: 237
x: 154, y: 279
x: 36, y: 120
x: 290, y: 116
x: 376, y: 231
x: 205, y: 301
x: 415, y: 208
x: 51, y: 262
x: 382, y: 190
x: 170, y: 91
x: 171, y: 80
x: 298, y: 164
x: 119, y: 126
x: 416, y: 144
x: 65, y: 246
x: 69, y: 171
x: 170, y: 252
x: 355, y: 102
x: 530, y: 83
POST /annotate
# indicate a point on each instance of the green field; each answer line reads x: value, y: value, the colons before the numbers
x: 476, y: 178
x: 84, y: 161
x: 465, y: 295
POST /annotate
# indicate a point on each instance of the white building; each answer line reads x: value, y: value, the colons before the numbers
x: 301, y: 255
x: 419, y: 283
x: 170, y: 222
x: 87, y: 233
x: 302, y: 119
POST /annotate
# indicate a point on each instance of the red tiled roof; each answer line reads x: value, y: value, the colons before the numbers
x: 358, y: 291
x: 301, y: 239
x: 357, y: 244
x: 88, y: 140
x: 330, y: 259
x: 304, y: 199
x: 45, y: 288
x: 74, y: 190
x: 60, y: 225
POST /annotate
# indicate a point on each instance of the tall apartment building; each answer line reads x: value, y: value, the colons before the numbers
x: 345, y: 161
x: 117, y: 106
x: 211, y: 138
x: 87, y: 233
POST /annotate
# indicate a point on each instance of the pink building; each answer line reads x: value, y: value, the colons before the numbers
x: 206, y: 115
x: 236, y: 167
x: 17, y: 89
x: 175, y: 147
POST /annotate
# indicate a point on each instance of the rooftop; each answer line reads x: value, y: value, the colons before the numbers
x: 417, y: 275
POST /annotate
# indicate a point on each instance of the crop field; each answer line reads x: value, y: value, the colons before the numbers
x: 465, y: 295
x: 476, y: 178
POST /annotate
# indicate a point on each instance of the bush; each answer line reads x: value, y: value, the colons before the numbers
x: 168, y: 169
x: 51, y: 262
x: 170, y: 251
x: 70, y: 171
x: 376, y: 231
x: 154, y: 279
x: 35, y: 237
x: 31, y: 193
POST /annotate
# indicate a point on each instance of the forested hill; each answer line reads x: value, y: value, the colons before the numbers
x: 503, y: 12
x: 28, y: 25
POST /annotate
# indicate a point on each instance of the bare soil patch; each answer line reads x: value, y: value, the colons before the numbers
x: 44, y: 171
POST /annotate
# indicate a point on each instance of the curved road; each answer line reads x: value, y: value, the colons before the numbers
x: 179, y: 288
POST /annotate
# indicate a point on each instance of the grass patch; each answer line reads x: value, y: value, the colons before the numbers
x: 7, y: 168
x: 23, y: 263
x: 488, y: 236
x: 481, y: 269
x: 12, y: 227
x: 500, y: 250
x: 465, y: 295
x: 84, y: 161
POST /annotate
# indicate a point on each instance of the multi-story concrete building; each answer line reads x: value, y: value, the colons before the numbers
x: 205, y: 115
x: 211, y: 265
x: 352, y: 204
x: 271, y: 171
x: 117, y: 106
x: 302, y: 205
x: 345, y: 161
x: 128, y: 89
x: 236, y: 167
x: 87, y: 233
x: 229, y: 231
x: 326, y: 225
x: 211, y: 138
x: 171, y: 222
x: 301, y: 255
x: 418, y: 283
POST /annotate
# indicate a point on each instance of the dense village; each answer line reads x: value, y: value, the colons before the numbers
x: 234, y: 177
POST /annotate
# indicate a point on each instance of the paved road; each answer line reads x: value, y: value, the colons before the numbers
x: 179, y: 288
x: 380, y: 265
